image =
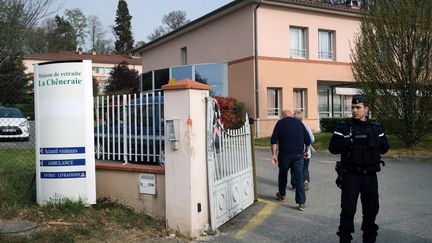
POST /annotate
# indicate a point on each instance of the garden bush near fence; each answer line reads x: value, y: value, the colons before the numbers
x: 27, y: 110
x: 232, y: 112
x: 328, y: 124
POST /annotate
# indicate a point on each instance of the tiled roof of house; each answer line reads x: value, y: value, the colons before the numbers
x: 341, y: 8
x: 96, y: 58
x: 310, y: 3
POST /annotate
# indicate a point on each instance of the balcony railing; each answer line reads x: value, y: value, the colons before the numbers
x: 273, y: 112
x: 327, y: 55
x: 301, y: 53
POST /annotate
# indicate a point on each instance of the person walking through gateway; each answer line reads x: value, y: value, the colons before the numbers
x: 360, y: 143
x: 299, y: 115
x: 294, y: 141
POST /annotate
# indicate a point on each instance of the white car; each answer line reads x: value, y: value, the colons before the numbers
x: 13, y: 124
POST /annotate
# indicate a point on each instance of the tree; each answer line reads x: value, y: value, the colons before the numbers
x: 63, y: 36
x: 37, y: 40
x: 96, y: 33
x: 174, y: 20
x: 41, y: 36
x: 171, y: 21
x: 124, y: 40
x: 78, y: 21
x: 12, y: 82
x: 122, y: 79
x: 157, y: 32
x: 392, y: 61
x: 17, y: 17
x: 139, y: 43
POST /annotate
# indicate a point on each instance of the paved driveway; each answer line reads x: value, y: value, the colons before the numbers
x: 405, y: 187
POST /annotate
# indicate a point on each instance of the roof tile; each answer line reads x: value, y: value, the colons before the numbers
x: 98, y: 58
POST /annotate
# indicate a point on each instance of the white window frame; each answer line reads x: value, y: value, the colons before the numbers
x: 326, y: 52
x: 303, y: 107
x: 328, y: 112
x: 183, y: 55
x: 275, y: 112
x: 301, y: 50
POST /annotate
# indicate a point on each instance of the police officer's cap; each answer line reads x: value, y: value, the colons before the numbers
x: 359, y: 99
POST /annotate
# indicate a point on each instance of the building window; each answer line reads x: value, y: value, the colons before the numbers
x: 298, y: 42
x: 101, y: 70
x: 324, y: 102
x: 183, y: 54
x: 347, y: 105
x: 215, y: 75
x: 182, y: 72
x: 300, y: 100
x: 274, y: 102
x: 326, y: 45
x: 341, y: 105
x: 160, y: 77
x: 337, y: 105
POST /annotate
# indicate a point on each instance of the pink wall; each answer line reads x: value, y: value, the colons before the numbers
x: 288, y: 75
x: 228, y: 38
x: 241, y: 84
x: 274, y: 38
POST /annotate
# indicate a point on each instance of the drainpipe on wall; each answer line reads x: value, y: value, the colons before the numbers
x: 256, y: 69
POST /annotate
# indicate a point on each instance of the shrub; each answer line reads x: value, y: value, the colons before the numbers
x: 328, y: 124
x: 232, y: 112
x: 123, y: 80
x: 27, y: 110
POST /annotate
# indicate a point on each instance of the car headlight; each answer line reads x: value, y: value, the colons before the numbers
x: 24, y: 124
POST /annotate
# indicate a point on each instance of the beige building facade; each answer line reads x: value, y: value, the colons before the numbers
x: 102, y: 64
x: 271, y: 55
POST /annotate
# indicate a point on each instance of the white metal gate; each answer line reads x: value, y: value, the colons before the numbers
x: 229, y: 160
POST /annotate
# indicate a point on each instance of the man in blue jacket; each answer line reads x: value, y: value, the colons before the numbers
x: 292, y: 139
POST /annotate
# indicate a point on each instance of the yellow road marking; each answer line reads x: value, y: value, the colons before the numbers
x: 263, y: 214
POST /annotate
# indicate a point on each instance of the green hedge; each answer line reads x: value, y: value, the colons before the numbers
x: 27, y: 110
x: 328, y: 124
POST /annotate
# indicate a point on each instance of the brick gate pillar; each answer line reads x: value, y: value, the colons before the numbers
x: 185, y: 169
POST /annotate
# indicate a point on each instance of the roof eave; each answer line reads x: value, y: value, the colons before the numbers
x: 233, y: 6
x: 226, y: 9
x: 316, y: 8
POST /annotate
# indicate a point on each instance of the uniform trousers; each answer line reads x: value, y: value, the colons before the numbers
x: 365, y: 185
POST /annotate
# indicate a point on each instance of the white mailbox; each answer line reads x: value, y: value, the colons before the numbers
x: 148, y: 183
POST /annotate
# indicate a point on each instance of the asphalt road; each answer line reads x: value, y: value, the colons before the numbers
x: 405, y: 187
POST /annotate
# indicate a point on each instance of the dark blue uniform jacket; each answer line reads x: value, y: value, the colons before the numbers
x: 342, y: 139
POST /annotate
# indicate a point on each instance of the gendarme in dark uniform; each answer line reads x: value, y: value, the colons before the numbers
x: 360, y: 143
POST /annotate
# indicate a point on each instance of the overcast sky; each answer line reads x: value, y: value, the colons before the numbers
x: 146, y: 14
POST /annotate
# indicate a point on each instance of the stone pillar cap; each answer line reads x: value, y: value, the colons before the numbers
x: 186, y: 84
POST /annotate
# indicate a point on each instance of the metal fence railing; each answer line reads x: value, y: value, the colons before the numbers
x: 17, y: 139
x: 130, y: 127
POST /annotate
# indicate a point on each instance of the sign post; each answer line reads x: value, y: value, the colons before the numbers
x: 65, y: 163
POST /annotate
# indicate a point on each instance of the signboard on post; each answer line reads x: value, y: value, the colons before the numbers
x: 65, y: 162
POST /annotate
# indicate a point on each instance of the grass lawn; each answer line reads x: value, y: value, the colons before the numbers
x: 322, y: 141
x: 68, y: 221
